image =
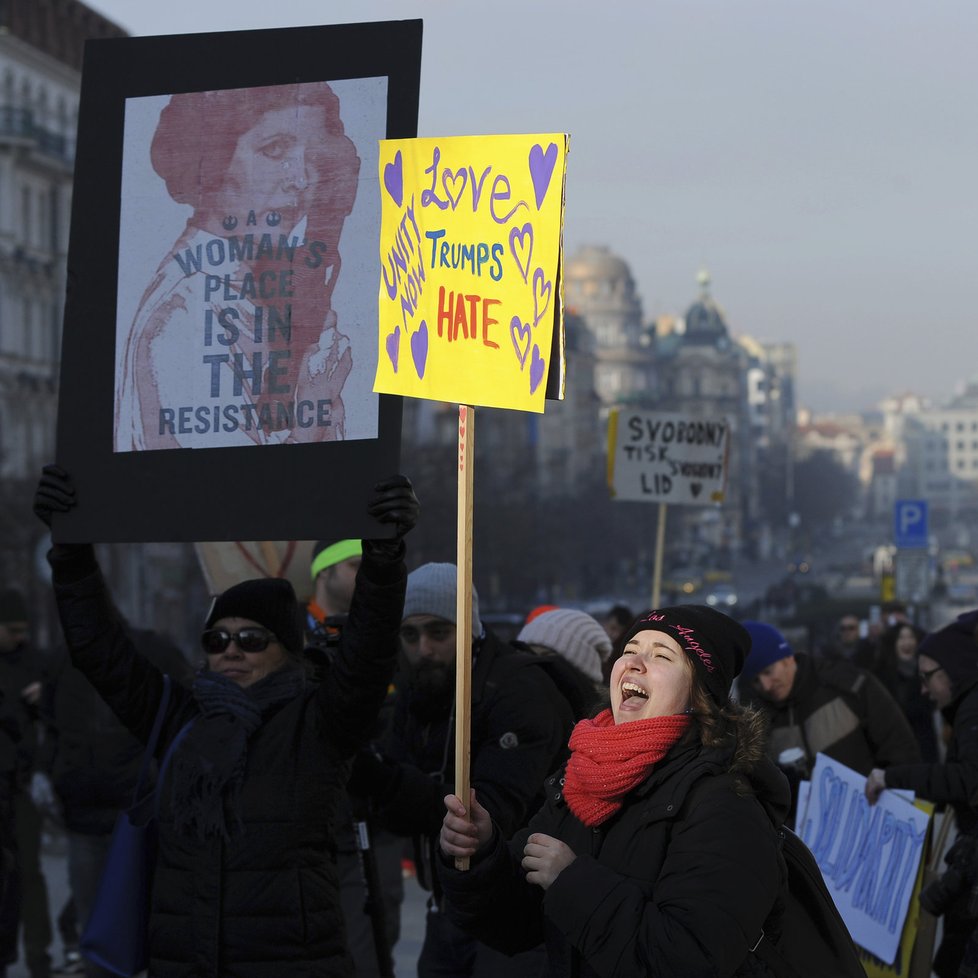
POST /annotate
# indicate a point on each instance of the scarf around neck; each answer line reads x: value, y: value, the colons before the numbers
x: 608, y: 760
x: 209, y: 766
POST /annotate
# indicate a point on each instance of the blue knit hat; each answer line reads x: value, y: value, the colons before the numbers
x: 768, y: 645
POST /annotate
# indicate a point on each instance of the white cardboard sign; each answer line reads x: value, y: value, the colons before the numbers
x: 667, y: 458
x: 869, y: 855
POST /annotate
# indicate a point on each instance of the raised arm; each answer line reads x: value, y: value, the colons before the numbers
x: 97, y: 639
x: 361, y: 673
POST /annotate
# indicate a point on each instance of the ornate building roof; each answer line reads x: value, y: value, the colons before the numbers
x: 705, y: 323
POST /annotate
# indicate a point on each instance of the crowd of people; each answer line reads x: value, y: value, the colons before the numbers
x: 629, y: 775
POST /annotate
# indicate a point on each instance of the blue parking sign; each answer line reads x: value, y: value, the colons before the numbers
x: 910, y: 523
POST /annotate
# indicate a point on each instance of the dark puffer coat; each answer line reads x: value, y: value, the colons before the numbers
x: 265, y: 904
x: 679, y: 882
x: 955, y: 781
x: 520, y: 723
x: 95, y: 760
x: 842, y: 711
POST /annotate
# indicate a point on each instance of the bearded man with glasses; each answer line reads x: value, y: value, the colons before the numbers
x: 245, y: 882
x: 947, y: 666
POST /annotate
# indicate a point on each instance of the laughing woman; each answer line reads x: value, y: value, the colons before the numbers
x: 657, y: 850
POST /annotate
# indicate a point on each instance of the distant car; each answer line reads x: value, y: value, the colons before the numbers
x: 716, y: 576
x: 683, y: 581
x: 721, y: 596
x: 955, y: 559
x: 963, y: 594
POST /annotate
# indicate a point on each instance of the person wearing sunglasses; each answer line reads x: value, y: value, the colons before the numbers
x: 947, y: 667
x: 245, y: 881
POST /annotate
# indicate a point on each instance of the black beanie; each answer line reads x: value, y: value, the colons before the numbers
x: 13, y: 607
x: 716, y: 643
x: 955, y: 650
x: 270, y: 601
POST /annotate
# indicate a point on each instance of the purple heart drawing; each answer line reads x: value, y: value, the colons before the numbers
x: 419, y: 348
x: 457, y: 179
x: 519, y: 333
x: 520, y: 243
x: 394, y: 346
x: 542, y: 288
x: 541, y: 169
x: 394, y: 179
x: 537, y: 367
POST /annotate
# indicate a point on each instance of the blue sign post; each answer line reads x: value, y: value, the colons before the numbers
x: 910, y: 524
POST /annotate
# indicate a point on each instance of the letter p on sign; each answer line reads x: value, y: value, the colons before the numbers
x: 910, y: 523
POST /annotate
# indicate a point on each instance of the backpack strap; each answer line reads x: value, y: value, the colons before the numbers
x: 154, y: 737
x: 813, y: 939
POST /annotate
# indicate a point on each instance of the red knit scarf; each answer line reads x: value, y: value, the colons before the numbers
x: 608, y: 760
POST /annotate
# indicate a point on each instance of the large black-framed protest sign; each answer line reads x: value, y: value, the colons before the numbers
x: 219, y: 341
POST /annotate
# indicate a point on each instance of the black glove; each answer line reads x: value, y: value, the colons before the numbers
x: 55, y: 494
x: 394, y: 502
x: 373, y: 777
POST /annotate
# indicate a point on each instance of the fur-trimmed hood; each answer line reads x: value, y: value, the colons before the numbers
x: 742, y: 756
x: 751, y: 726
x: 749, y: 762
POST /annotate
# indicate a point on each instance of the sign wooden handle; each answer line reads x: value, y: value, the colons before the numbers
x: 660, y: 544
x: 463, y: 618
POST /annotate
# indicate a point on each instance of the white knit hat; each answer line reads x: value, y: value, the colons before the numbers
x: 574, y: 635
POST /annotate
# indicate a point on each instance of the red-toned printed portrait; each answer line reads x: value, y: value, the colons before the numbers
x: 247, y: 272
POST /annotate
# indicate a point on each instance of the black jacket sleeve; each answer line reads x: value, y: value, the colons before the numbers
x: 360, y: 676
x: 888, y: 731
x: 955, y: 781
x: 100, y: 645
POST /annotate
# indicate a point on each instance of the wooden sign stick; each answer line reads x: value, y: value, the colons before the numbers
x: 463, y: 617
x: 660, y: 543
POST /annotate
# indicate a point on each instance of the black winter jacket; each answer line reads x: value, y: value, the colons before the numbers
x: 679, y: 882
x: 520, y: 724
x: 19, y: 669
x: 95, y: 759
x: 955, y: 782
x: 265, y: 904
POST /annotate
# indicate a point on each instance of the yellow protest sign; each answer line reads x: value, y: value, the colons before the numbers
x: 471, y: 306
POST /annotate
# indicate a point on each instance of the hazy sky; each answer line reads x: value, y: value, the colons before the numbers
x: 819, y: 159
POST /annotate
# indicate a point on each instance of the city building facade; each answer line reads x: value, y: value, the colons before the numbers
x: 41, y: 54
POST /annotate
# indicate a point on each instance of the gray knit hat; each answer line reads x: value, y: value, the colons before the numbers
x: 574, y: 635
x: 432, y: 590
